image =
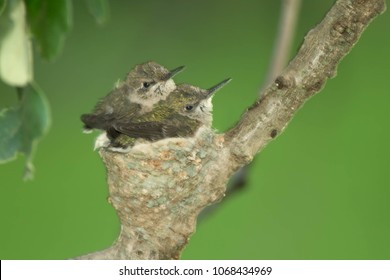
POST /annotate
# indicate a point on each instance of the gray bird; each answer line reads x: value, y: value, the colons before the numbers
x: 145, y: 85
x: 181, y: 114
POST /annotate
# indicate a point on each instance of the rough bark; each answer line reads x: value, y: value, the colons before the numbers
x: 158, y: 189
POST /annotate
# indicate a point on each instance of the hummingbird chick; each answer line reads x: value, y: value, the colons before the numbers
x: 145, y: 85
x: 181, y: 114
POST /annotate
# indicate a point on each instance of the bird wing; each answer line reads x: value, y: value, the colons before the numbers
x: 155, y: 130
x: 102, y: 121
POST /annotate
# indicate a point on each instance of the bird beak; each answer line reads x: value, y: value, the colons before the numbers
x: 174, y: 72
x: 215, y: 88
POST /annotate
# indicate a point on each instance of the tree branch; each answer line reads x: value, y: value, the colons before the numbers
x: 158, y: 189
x: 316, y: 61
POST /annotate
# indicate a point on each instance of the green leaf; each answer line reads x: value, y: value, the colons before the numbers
x: 2, y: 6
x: 22, y: 126
x: 15, y: 46
x: 99, y: 9
x: 49, y: 21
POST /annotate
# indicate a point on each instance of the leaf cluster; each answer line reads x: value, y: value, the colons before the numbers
x: 24, y: 24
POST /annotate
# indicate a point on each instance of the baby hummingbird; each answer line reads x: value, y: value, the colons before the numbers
x: 145, y: 85
x: 184, y: 111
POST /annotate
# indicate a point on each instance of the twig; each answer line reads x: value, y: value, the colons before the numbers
x: 282, y: 46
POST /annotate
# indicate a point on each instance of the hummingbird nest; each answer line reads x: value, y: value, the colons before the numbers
x: 158, y: 190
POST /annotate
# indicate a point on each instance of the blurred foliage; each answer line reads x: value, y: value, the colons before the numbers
x: 47, y: 22
x: 15, y: 46
x: 22, y: 126
x: 320, y: 190
x: 99, y: 9
x: 2, y: 6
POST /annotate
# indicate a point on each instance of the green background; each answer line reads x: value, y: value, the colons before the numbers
x: 321, y: 190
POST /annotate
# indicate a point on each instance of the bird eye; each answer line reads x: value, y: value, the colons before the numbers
x: 189, y: 107
x: 146, y: 84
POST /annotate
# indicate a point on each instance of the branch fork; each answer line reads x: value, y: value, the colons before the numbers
x: 159, y: 189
